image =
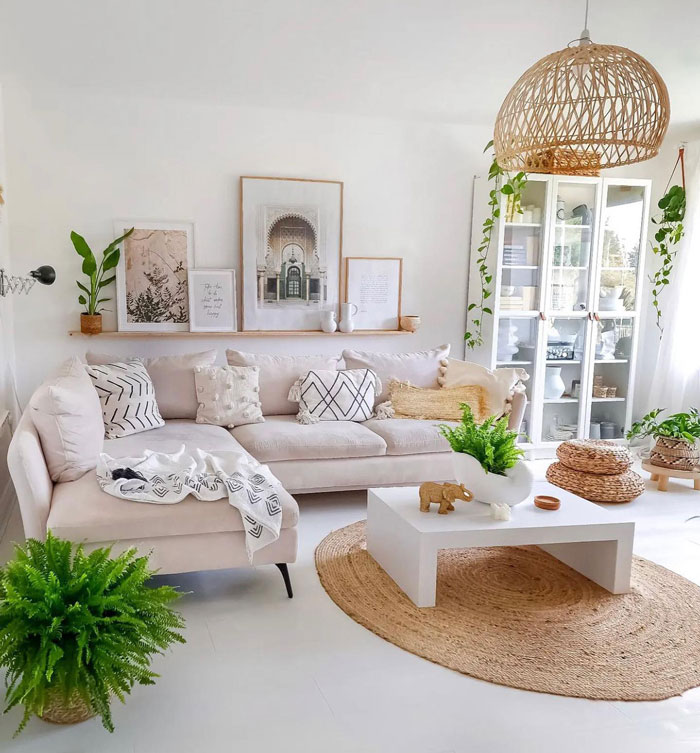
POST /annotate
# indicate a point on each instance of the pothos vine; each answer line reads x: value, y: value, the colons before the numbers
x: 504, y: 184
x: 670, y: 224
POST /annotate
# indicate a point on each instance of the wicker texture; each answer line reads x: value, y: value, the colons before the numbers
x: 518, y: 617
x: 596, y: 456
x: 58, y: 710
x: 678, y: 454
x: 621, y: 487
x: 441, y: 405
x: 580, y: 110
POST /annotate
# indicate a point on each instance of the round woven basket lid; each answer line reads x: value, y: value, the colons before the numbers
x: 596, y: 487
x: 596, y: 456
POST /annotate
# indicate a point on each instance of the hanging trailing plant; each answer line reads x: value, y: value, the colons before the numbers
x: 504, y: 184
x: 670, y: 231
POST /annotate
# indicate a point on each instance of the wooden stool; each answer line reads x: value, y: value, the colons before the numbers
x: 662, y: 475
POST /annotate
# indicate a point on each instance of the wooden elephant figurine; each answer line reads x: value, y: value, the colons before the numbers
x: 442, y: 494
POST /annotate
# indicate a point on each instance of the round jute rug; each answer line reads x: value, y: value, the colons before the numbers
x: 516, y: 616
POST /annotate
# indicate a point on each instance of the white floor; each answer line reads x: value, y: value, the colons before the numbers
x: 261, y: 673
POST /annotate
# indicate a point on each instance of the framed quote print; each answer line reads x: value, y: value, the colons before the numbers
x: 373, y: 284
x: 212, y: 295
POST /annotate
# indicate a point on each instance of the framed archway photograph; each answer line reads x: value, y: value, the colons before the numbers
x: 291, y: 245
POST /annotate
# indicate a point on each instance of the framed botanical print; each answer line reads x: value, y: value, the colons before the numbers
x: 291, y: 244
x: 212, y: 300
x: 152, y: 287
x: 373, y: 284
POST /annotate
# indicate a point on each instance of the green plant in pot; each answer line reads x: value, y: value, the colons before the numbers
x: 676, y: 438
x: 98, y: 278
x: 77, y: 629
x: 486, y: 459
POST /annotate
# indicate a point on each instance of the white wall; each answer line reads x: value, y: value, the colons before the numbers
x: 77, y: 160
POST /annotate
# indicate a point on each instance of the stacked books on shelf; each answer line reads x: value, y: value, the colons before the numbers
x: 514, y: 254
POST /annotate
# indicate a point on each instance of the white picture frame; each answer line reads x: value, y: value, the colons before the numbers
x: 212, y: 296
x: 152, y: 276
x: 291, y: 248
x: 373, y: 284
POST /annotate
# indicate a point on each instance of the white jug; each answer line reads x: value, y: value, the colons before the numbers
x: 328, y: 322
x: 347, y: 312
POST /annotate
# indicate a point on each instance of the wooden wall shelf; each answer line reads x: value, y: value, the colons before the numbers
x: 248, y: 333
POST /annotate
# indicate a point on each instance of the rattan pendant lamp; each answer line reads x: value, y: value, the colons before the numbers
x: 584, y: 108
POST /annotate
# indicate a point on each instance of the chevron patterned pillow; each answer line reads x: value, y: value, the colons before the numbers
x: 127, y: 397
x: 325, y: 395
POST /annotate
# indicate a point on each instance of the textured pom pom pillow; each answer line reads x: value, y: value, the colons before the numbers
x: 228, y: 395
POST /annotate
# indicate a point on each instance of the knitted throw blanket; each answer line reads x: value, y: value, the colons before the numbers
x: 164, y: 479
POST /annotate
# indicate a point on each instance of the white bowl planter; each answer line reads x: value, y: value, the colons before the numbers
x: 491, y: 488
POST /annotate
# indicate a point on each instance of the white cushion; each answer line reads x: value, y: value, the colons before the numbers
x: 500, y: 384
x: 421, y: 369
x: 68, y: 417
x: 228, y: 395
x: 282, y: 438
x: 335, y: 395
x: 127, y: 397
x: 278, y: 374
x: 172, y: 377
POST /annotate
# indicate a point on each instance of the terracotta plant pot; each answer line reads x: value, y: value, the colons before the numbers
x: 91, y: 324
x: 679, y: 454
x: 58, y: 710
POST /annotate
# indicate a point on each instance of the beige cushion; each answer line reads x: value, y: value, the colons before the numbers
x: 282, y: 438
x: 278, y: 374
x: 500, y: 384
x: 410, y: 436
x: 81, y: 511
x: 172, y: 377
x: 228, y: 395
x: 68, y: 417
x: 443, y: 404
x: 420, y: 369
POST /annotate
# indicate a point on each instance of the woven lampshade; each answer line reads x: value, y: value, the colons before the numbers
x: 582, y: 109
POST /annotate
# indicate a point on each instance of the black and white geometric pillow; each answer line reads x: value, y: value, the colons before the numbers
x: 127, y: 397
x: 325, y: 395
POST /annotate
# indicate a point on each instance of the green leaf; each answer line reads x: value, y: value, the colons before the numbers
x: 488, y: 146
x: 82, y: 287
x: 111, y: 261
x: 80, y: 245
x: 113, y: 245
x: 106, y: 281
x: 487, y: 310
x: 507, y: 189
x: 471, y: 306
x: 82, y: 300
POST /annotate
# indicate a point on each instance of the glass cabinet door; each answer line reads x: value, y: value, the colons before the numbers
x: 613, y: 343
x: 516, y: 347
x: 562, y: 397
x: 521, y: 255
x: 574, y: 207
x: 623, y: 219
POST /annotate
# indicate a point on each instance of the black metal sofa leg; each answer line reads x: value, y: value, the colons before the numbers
x: 285, y: 575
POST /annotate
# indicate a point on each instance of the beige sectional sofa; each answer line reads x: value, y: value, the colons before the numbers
x: 193, y: 535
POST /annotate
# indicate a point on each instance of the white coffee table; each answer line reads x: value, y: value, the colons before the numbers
x: 406, y: 541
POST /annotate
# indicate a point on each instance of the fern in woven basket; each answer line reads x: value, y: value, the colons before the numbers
x: 491, y: 442
x: 80, y: 625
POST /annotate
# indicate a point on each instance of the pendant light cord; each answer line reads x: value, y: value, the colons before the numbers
x: 585, y: 19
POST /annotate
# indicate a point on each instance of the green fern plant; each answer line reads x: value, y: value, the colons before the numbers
x: 491, y: 442
x: 79, y: 624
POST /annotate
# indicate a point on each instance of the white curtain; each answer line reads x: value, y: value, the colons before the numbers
x: 676, y: 382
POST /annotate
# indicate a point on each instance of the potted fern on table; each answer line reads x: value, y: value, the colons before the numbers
x: 77, y: 629
x: 487, y: 460
x: 676, y: 438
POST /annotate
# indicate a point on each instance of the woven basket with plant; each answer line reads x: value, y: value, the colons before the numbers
x: 676, y: 438
x: 77, y: 629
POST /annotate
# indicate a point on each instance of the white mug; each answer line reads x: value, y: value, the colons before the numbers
x: 347, y: 312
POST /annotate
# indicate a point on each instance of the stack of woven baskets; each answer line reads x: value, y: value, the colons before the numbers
x: 596, y: 470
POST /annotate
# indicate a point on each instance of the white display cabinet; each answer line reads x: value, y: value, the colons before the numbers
x: 566, y: 282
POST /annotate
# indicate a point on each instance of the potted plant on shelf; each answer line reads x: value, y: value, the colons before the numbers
x: 91, y: 318
x: 676, y: 438
x: 77, y: 629
x: 487, y: 460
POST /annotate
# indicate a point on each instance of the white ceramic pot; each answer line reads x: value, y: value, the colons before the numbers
x: 553, y: 383
x: 328, y: 322
x: 347, y: 314
x: 490, y: 488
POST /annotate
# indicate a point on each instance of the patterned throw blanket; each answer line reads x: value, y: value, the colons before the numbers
x: 166, y: 479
